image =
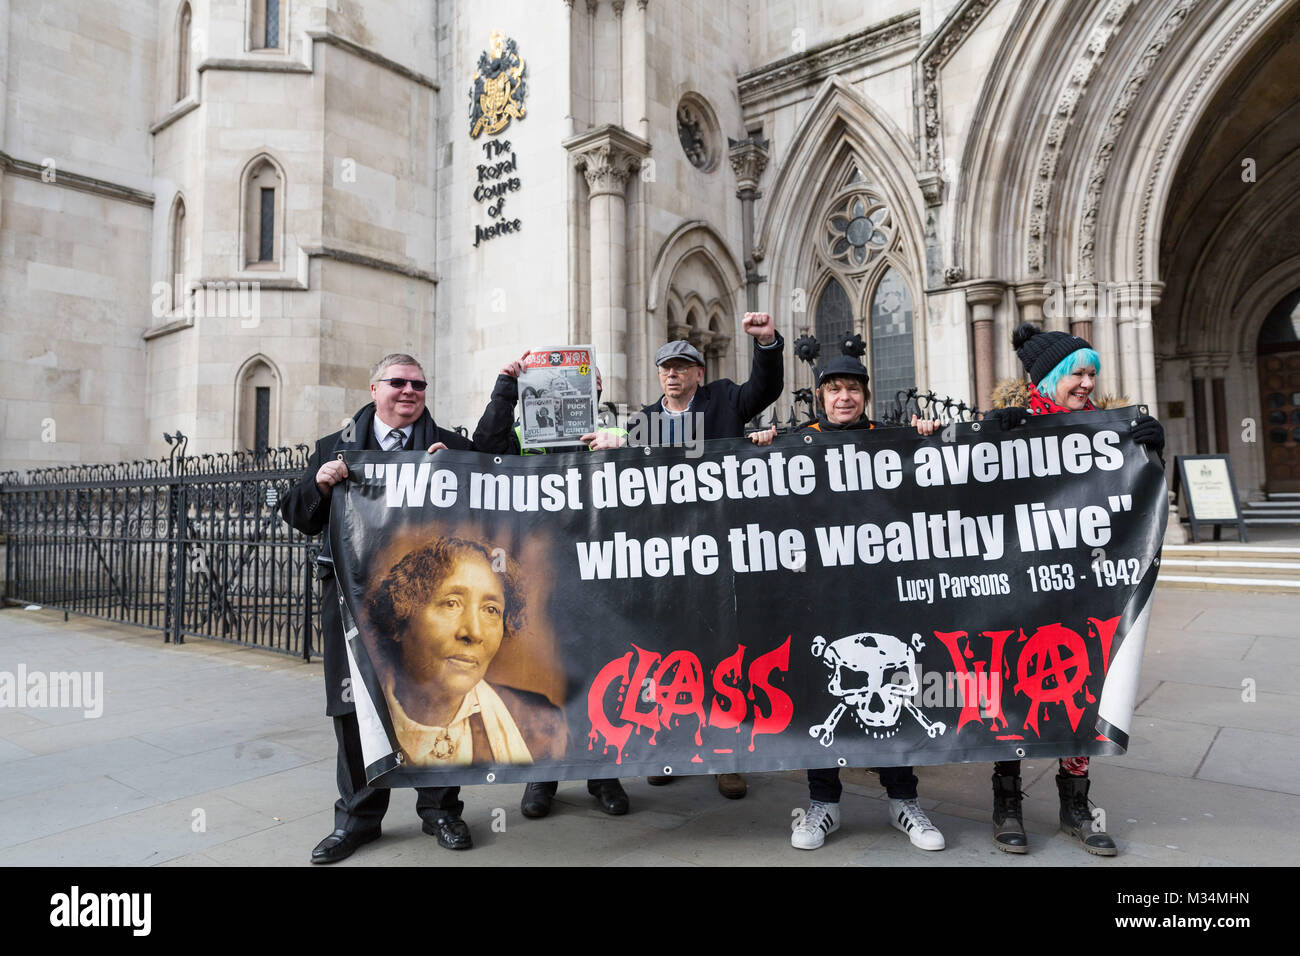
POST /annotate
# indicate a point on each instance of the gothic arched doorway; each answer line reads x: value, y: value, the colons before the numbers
x: 1279, y: 395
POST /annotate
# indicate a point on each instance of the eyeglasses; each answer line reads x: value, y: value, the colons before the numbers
x: 400, y: 383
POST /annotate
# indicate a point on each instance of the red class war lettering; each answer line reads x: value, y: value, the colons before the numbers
x: 672, y: 687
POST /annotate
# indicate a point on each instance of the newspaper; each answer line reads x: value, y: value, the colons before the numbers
x: 557, y: 394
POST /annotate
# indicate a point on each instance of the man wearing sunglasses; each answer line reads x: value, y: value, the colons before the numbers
x: 397, y: 420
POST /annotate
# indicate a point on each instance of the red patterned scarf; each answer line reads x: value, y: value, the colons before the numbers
x: 1040, y: 404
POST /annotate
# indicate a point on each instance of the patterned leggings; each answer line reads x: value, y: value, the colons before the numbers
x: 1071, y: 766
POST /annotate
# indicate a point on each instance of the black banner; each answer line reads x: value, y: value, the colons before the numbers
x: 866, y: 598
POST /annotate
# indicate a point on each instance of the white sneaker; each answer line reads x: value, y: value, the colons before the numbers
x: 811, y: 830
x: 907, y: 815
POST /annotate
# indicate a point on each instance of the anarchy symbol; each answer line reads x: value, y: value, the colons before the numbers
x: 1052, y: 668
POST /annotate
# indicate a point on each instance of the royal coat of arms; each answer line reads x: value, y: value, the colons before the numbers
x: 496, y: 94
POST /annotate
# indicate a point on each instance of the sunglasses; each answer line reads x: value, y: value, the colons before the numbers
x: 399, y: 383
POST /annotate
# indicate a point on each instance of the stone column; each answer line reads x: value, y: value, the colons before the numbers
x: 1029, y: 298
x: 748, y: 160
x: 1056, y: 307
x: 1106, y: 342
x: 635, y: 109
x: 1219, y: 399
x: 620, y: 42
x: 1175, y: 533
x: 1200, y: 365
x: 981, y: 297
x: 1148, y: 294
x: 1084, y: 301
x: 607, y: 156
x: 1254, y: 468
x: 1127, y: 313
x: 570, y: 48
x: 1134, y: 302
x: 4, y: 90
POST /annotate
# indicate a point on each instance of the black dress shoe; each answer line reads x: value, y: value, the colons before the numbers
x: 536, y: 801
x: 610, y: 795
x: 341, y: 844
x: 452, y: 832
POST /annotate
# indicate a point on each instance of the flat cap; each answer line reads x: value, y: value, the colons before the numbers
x: 681, y: 349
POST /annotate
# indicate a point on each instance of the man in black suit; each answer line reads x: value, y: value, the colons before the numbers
x: 396, y: 420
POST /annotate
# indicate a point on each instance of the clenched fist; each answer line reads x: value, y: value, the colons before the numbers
x: 761, y: 327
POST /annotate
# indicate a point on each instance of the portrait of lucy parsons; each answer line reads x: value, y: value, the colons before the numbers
x: 439, y: 617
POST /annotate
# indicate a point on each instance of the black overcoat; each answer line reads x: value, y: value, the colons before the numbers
x: 308, y: 510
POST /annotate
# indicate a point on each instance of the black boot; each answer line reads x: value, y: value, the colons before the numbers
x: 1008, y: 826
x: 1076, y: 818
x: 536, y: 801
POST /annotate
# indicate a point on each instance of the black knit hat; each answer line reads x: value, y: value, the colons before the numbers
x: 843, y: 365
x: 1040, y: 351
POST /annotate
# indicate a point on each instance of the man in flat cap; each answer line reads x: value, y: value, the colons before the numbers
x: 692, y: 410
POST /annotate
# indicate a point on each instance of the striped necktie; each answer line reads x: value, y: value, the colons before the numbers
x: 396, y: 440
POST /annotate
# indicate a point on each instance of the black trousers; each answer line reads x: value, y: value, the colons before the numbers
x: 553, y: 785
x: 824, y: 785
x: 360, y: 806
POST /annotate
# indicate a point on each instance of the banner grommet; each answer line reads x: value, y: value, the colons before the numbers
x: 1020, y: 752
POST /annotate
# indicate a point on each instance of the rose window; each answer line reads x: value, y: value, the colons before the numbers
x: 859, y: 230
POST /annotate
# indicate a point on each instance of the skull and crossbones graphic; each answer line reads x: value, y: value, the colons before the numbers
x: 875, y: 675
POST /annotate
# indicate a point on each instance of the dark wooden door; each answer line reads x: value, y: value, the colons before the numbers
x: 1279, y: 393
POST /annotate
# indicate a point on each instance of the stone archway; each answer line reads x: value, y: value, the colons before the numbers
x: 1229, y: 255
x: 694, y: 294
x: 844, y: 149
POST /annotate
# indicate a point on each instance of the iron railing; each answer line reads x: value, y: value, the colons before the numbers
x: 188, y: 545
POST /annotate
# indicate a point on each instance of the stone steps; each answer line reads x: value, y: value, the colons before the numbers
x: 1277, y: 509
x: 1234, y: 567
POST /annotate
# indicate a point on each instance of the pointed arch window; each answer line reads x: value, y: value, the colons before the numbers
x: 258, y: 398
x: 834, y: 318
x: 177, y: 253
x: 893, y: 360
x: 263, y: 215
x: 859, y: 255
x: 184, y: 29
x: 265, y: 25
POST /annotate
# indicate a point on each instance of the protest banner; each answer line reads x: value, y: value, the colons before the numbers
x: 868, y: 598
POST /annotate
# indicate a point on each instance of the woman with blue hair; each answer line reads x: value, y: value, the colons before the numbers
x: 1063, y: 372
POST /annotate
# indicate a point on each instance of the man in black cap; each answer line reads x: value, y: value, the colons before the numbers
x: 692, y: 411
x: 396, y: 420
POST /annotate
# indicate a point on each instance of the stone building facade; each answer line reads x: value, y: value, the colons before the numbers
x: 215, y: 214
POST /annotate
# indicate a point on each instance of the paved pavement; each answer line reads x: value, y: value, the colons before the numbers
x: 211, y: 754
